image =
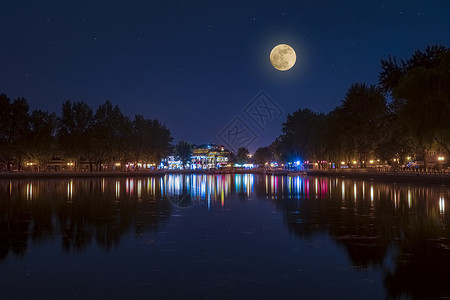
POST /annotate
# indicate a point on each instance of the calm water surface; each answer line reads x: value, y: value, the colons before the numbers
x: 222, y: 237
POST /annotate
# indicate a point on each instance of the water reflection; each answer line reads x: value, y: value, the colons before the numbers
x: 400, y: 223
x: 188, y: 190
x: 376, y: 223
x: 79, y: 212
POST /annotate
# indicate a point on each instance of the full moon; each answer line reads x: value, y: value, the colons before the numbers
x: 283, y: 57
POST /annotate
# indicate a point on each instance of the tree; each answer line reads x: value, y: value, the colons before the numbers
x: 150, y: 140
x: 5, y: 119
x: 184, y: 151
x: 14, y: 129
x: 75, y: 135
x: 111, y: 130
x: 41, y: 141
x: 242, y: 155
x: 393, y: 71
x: 421, y: 95
x: 303, y: 135
x: 360, y: 118
x: 263, y: 155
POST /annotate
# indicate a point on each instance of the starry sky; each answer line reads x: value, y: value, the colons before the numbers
x: 196, y: 66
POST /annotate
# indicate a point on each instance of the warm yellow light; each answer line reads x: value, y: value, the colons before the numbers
x: 394, y: 159
x: 282, y: 57
x: 371, y: 161
x: 408, y: 158
x: 117, y: 164
x: 354, y: 162
x: 342, y: 162
x: 315, y: 164
x: 441, y: 158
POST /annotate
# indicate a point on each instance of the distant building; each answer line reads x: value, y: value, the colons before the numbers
x: 209, y: 157
x: 172, y: 162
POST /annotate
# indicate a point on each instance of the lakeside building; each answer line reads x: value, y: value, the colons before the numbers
x: 202, y: 158
x: 172, y: 162
x: 209, y: 157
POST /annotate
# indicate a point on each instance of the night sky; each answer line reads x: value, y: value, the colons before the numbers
x: 195, y: 66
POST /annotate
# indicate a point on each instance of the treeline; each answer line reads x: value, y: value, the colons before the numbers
x: 79, y: 134
x: 406, y: 115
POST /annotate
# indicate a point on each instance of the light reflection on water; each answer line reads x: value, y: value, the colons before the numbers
x: 399, y: 232
x: 213, y: 189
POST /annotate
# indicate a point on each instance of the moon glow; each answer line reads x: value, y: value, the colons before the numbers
x: 283, y: 57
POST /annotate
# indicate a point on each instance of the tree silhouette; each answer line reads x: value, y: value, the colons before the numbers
x: 41, y: 140
x: 421, y: 95
x: 242, y: 155
x: 184, y: 150
x: 303, y: 135
x: 14, y: 129
x: 111, y: 130
x: 360, y: 117
x: 75, y: 136
x: 262, y: 155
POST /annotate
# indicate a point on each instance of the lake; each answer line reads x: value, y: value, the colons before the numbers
x: 223, y: 237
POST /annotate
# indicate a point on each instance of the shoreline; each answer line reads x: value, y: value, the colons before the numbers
x: 386, y: 176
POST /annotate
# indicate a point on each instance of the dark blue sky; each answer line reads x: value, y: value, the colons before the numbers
x: 195, y: 66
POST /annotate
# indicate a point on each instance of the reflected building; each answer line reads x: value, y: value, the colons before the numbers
x: 194, y: 189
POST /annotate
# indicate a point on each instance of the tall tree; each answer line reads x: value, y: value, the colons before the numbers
x: 14, y: 129
x: 111, y: 130
x: 150, y: 140
x: 184, y: 151
x: 262, y: 155
x: 303, y: 135
x: 75, y: 136
x: 421, y: 95
x: 242, y: 155
x: 41, y: 141
x: 360, y: 117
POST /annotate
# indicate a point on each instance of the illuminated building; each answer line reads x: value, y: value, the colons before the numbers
x: 209, y: 157
x: 172, y: 162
